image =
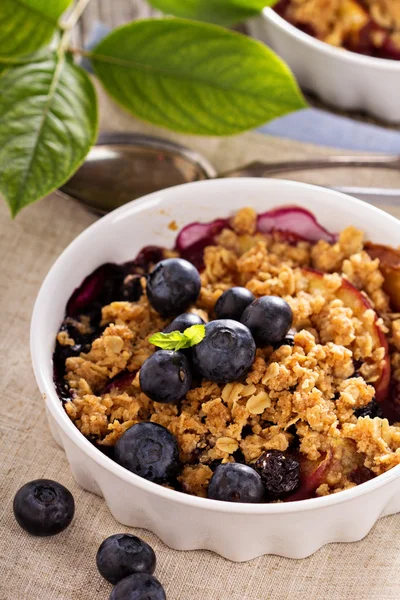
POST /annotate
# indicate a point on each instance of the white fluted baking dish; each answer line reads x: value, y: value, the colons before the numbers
x: 342, y: 79
x: 236, y: 531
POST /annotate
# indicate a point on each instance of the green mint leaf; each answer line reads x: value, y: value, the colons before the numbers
x: 48, y: 122
x: 222, y: 12
x: 177, y: 340
x: 26, y: 25
x: 184, y: 343
x: 194, y: 77
x: 169, y: 341
x: 195, y: 333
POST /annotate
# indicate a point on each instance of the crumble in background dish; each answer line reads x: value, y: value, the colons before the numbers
x: 365, y: 26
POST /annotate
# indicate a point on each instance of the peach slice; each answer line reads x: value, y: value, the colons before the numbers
x: 312, y: 476
x: 359, y: 304
x: 389, y: 259
x: 122, y: 381
x: 342, y: 462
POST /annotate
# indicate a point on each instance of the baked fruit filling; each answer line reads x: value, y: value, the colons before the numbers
x: 370, y: 27
x: 258, y: 361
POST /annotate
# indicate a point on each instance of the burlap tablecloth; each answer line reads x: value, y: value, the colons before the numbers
x: 63, y: 567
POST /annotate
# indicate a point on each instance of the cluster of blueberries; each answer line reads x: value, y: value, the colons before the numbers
x: 225, y: 354
x: 44, y: 507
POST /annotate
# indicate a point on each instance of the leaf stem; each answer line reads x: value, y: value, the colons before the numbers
x: 75, y: 14
x: 79, y: 51
x: 70, y: 23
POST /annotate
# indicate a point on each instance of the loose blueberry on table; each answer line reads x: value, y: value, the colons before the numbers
x: 129, y: 562
x: 139, y: 586
x: 43, y: 507
x: 240, y: 309
x: 123, y: 554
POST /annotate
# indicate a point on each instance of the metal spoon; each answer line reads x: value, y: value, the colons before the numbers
x: 125, y: 166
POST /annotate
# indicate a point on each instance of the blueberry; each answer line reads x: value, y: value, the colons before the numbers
x: 139, y: 586
x: 288, y: 340
x: 72, y: 330
x: 234, y: 482
x: 361, y: 475
x: 131, y: 288
x: 123, y: 554
x: 172, y: 286
x: 269, y: 319
x: 279, y: 472
x: 372, y: 410
x: 43, y: 507
x: 233, y: 302
x: 149, y: 450
x: 183, y: 321
x: 64, y: 352
x: 165, y: 376
x: 71, y: 326
x: 226, y: 353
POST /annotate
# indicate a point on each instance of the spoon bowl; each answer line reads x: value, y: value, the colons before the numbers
x: 123, y: 167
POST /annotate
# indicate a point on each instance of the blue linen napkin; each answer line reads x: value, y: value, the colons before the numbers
x: 321, y: 127
x: 310, y: 125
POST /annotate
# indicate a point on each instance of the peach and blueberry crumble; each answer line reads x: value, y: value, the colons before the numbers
x: 370, y: 27
x: 257, y: 361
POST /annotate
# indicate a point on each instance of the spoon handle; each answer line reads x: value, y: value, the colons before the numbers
x: 261, y: 169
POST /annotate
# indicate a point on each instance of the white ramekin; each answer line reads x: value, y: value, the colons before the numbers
x: 236, y: 531
x: 342, y: 79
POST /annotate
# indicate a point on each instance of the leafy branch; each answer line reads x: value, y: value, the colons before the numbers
x: 185, y: 75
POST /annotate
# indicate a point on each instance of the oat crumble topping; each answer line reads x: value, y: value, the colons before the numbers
x: 365, y: 26
x: 299, y: 397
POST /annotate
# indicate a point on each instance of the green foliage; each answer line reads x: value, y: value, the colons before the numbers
x: 193, y: 77
x: 221, y: 12
x: 176, y: 340
x: 26, y: 25
x: 10, y: 62
x: 48, y: 122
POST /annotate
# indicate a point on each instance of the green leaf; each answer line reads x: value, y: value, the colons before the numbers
x: 48, y: 122
x: 195, y: 333
x: 222, y: 12
x: 26, y: 25
x: 169, y: 341
x: 177, y: 340
x: 194, y: 77
x: 12, y: 62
